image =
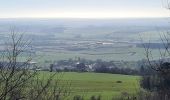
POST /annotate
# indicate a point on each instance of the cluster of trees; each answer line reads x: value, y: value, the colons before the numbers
x: 98, y: 66
x: 157, y: 82
x: 115, y: 70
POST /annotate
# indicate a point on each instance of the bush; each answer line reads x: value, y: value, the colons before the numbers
x: 118, y: 81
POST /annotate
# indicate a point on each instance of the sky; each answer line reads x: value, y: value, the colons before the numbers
x: 83, y: 8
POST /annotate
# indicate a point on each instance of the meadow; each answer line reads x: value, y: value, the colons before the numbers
x: 105, y: 85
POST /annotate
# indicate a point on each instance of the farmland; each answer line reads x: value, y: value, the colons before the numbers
x: 106, y: 85
x: 107, y: 39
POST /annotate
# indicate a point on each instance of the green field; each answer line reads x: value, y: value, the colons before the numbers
x: 88, y: 84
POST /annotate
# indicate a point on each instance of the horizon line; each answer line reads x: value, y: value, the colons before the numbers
x: 82, y: 18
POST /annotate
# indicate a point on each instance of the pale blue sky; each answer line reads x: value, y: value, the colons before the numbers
x: 82, y: 8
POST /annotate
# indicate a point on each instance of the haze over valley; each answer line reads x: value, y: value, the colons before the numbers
x: 107, y: 39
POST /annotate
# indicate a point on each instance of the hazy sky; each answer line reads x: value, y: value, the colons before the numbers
x: 83, y: 8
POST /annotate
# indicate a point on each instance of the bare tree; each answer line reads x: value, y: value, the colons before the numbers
x: 166, y: 4
x: 158, y: 83
x: 18, y: 80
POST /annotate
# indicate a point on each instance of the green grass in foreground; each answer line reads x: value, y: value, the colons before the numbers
x: 88, y: 84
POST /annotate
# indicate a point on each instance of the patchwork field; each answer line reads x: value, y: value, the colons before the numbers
x: 113, y: 54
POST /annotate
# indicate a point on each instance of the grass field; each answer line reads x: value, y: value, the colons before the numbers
x: 88, y: 84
